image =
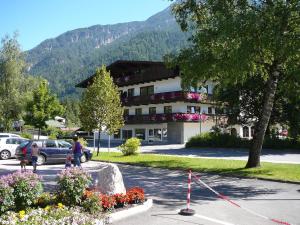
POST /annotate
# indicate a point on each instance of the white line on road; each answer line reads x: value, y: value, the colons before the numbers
x: 213, y: 220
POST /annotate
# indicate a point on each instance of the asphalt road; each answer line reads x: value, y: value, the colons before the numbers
x: 168, y: 190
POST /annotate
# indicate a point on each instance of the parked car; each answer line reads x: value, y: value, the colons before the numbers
x: 51, y: 151
x: 6, y: 135
x: 8, y: 146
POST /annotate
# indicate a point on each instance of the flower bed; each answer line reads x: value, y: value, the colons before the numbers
x: 23, y: 202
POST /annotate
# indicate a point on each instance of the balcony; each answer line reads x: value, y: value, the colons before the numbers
x: 166, y: 97
x: 161, y: 118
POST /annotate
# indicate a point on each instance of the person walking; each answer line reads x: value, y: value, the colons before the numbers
x: 77, y: 151
x: 34, y: 155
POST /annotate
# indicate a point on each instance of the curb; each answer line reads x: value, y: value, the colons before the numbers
x: 223, y: 175
x: 130, y: 211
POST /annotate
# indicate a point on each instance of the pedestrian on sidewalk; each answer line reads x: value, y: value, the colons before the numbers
x: 77, y: 151
x: 34, y: 155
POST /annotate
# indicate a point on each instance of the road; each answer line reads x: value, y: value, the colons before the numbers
x: 268, y: 155
x: 168, y: 189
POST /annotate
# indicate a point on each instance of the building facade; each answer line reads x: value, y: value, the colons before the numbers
x: 156, y: 108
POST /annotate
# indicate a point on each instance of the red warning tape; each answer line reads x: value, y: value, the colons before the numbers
x: 237, y: 205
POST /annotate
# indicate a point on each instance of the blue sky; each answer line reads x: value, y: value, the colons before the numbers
x: 37, y: 20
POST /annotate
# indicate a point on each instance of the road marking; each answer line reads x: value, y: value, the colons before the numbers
x: 213, y: 220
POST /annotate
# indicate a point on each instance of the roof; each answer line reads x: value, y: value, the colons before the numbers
x: 55, y: 123
x: 128, y: 72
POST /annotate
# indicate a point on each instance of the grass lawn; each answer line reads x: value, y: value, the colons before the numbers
x: 275, y: 171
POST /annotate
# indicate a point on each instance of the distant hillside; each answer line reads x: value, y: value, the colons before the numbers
x: 74, y: 55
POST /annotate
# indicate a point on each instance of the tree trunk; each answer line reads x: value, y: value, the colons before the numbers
x: 98, y: 146
x: 255, y: 150
x: 39, y: 133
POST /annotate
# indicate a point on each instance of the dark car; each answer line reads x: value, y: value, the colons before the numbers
x: 51, y: 151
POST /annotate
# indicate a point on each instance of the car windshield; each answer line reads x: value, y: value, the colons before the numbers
x: 23, y: 144
x: 64, y: 144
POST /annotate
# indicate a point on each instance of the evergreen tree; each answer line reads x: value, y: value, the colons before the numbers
x: 42, y: 107
x: 101, y: 105
x: 234, y: 40
x: 11, y: 75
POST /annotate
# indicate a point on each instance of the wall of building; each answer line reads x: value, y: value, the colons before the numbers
x: 171, y: 84
x: 168, y: 85
x: 175, y: 132
x: 191, y: 129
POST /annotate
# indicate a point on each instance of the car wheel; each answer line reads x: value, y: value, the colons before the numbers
x: 5, y: 154
x: 83, y: 158
x: 41, y: 160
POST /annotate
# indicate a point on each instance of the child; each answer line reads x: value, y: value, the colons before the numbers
x: 23, y: 161
x: 68, y: 161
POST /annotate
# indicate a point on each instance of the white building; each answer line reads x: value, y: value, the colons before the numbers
x: 157, y: 109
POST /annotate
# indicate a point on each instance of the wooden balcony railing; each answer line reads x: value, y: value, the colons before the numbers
x: 166, y: 97
x: 172, y: 117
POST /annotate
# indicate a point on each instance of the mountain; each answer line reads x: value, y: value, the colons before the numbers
x: 74, y: 55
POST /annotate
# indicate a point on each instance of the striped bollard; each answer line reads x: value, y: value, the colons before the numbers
x: 187, y: 211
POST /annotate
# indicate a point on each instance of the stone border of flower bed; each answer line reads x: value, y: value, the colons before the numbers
x: 127, y: 212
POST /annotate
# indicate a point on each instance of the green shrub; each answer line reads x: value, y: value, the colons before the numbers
x: 220, y: 140
x: 27, y: 187
x: 46, y: 199
x: 217, y: 140
x: 27, y: 135
x: 6, y: 196
x: 72, y: 184
x: 92, y: 204
x: 131, y: 146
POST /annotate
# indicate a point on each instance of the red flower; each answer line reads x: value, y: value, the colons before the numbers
x: 136, y: 195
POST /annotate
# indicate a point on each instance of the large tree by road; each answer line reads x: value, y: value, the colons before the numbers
x: 233, y: 40
x: 11, y: 75
x: 101, y: 107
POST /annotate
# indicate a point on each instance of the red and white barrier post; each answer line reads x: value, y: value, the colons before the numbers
x: 187, y: 211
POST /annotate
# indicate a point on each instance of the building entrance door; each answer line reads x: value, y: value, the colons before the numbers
x: 154, y: 135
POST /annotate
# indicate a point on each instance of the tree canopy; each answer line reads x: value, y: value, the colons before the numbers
x: 11, y: 76
x: 237, y: 40
x: 42, y: 107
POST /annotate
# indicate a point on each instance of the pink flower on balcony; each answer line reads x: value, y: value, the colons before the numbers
x: 126, y: 78
x: 203, y: 117
x: 194, y: 96
x: 152, y: 97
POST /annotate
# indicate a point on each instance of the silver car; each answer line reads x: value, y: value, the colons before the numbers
x: 8, y: 146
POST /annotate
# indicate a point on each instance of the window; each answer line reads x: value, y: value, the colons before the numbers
x: 138, y: 111
x: 127, y: 134
x: 64, y: 144
x: 245, y: 132
x: 149, y: 90
x: 167, y: 109
x: 126, y: 112
x: 131, y: 92
x: 209, y: 110
x: 11, y: 141
x: 193, y: 109
x: 50, y: 144
x: 252, y: 131
x: 152, y: 110
x: 140, y: 134
x: 3, y: 135
x: 117, y: 135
